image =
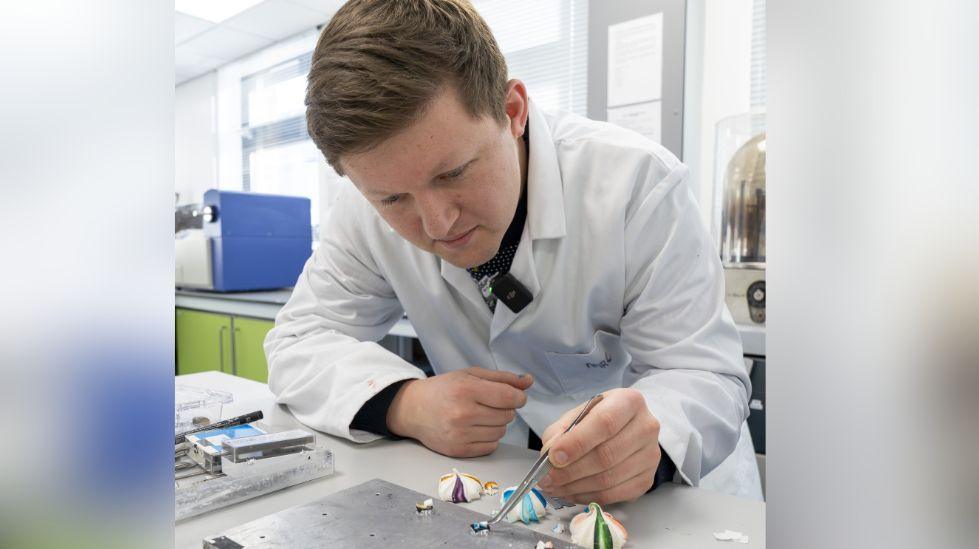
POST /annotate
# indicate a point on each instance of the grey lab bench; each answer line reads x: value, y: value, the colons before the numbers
x: 674, y: 516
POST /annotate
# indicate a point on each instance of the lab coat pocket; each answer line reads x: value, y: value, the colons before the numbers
x: 592, y: 372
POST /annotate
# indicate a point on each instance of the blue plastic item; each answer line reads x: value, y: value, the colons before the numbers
x: 258, y: 241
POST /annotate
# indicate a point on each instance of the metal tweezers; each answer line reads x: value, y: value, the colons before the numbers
x: 540, y: 468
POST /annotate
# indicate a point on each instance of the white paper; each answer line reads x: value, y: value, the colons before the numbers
x: 731, y: 535
x: 635, y: 60
x: 645, y: 118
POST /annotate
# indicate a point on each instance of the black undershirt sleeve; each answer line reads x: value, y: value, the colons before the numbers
x: 666, y: 470
x: 372, y: 416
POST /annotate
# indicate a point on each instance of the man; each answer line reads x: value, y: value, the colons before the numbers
x: 542, y: 258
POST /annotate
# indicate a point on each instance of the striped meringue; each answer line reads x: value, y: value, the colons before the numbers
x: 596, y: 529
x: 530, y: 509
x: 459, y: 487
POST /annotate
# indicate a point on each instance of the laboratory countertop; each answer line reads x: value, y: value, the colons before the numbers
x: 673, y: 516
x: 277, y: 297
x: 267, y: 304
x: 264, y: 305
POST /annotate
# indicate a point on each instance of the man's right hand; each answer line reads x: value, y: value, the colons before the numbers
x: 459, y: 414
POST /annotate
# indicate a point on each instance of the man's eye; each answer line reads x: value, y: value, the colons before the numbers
x: 390, y: 200
x: 455, y: 173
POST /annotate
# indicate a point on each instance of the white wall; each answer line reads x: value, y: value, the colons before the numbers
x: 718, y: 83
x: 195, y: 150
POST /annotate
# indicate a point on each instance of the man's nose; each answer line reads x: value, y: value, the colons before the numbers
x: 438, y: 216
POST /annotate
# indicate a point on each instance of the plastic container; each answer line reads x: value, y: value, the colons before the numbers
x: 195, y: 407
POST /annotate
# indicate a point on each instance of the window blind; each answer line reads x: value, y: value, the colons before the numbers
x: 545, y: 44
x: 759, y: 62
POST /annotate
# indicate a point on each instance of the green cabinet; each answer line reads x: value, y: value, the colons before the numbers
x: 203, y: 342
x: 230, y: 344
x: 249, y: 352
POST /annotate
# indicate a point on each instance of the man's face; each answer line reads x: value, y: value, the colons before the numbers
x: 449, y: 183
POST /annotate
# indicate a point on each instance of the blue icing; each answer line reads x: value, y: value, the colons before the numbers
x: 539, y: 495
x: 527, y: 511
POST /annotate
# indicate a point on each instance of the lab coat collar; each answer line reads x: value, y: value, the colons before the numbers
x: 545, y: 219
x: 459, y: 279
x: 545, y: 212
x: 545, y: 190
x: 524, y: 270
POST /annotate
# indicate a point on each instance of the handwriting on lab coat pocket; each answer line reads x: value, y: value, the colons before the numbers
x: 603, y: 364
x: 594, y: 371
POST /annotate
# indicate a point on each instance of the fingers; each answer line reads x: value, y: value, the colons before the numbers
x: 604, y: 421
x: 636, y: 436
x: 460, y: 413
x: 467, y: 441
x: 491, y: 417
x: 644, y: 460
x: 478, y: 434
x: 629, y: 490
x: 558, y: 427
x: 498, y: 395
x: 475, y: 414
x: 463, y: 450
x: 497, y: 389
x: 522, y: 381
x: 480, y: 449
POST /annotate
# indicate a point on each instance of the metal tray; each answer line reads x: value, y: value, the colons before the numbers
x: 376, y: 514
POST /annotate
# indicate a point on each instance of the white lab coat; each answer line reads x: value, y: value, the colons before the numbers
x: 628, y: 292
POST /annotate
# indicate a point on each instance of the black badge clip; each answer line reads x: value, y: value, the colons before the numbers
x: 512, y: 293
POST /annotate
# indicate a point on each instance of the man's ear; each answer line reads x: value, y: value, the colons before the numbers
x: 517, y: 107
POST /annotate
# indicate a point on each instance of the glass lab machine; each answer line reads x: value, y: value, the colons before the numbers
x: 739, y: 213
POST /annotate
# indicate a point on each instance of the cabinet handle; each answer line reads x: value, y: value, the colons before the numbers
x: 221, y: 346
x: 234, y: 350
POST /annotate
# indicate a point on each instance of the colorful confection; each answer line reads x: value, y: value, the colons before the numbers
x: 596, y: 529
x: 491, y: 488
x: 459, y: 487
x: 530, y: 509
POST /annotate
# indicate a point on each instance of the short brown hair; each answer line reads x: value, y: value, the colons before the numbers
x: 379, y: 63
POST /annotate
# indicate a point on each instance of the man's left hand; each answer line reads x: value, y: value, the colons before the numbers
x: 610, y: 456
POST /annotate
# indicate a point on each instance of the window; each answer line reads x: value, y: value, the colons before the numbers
x: 277, y: 155
x: 263, y: 145
x: 759, y: 62
x: 545, y: 44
